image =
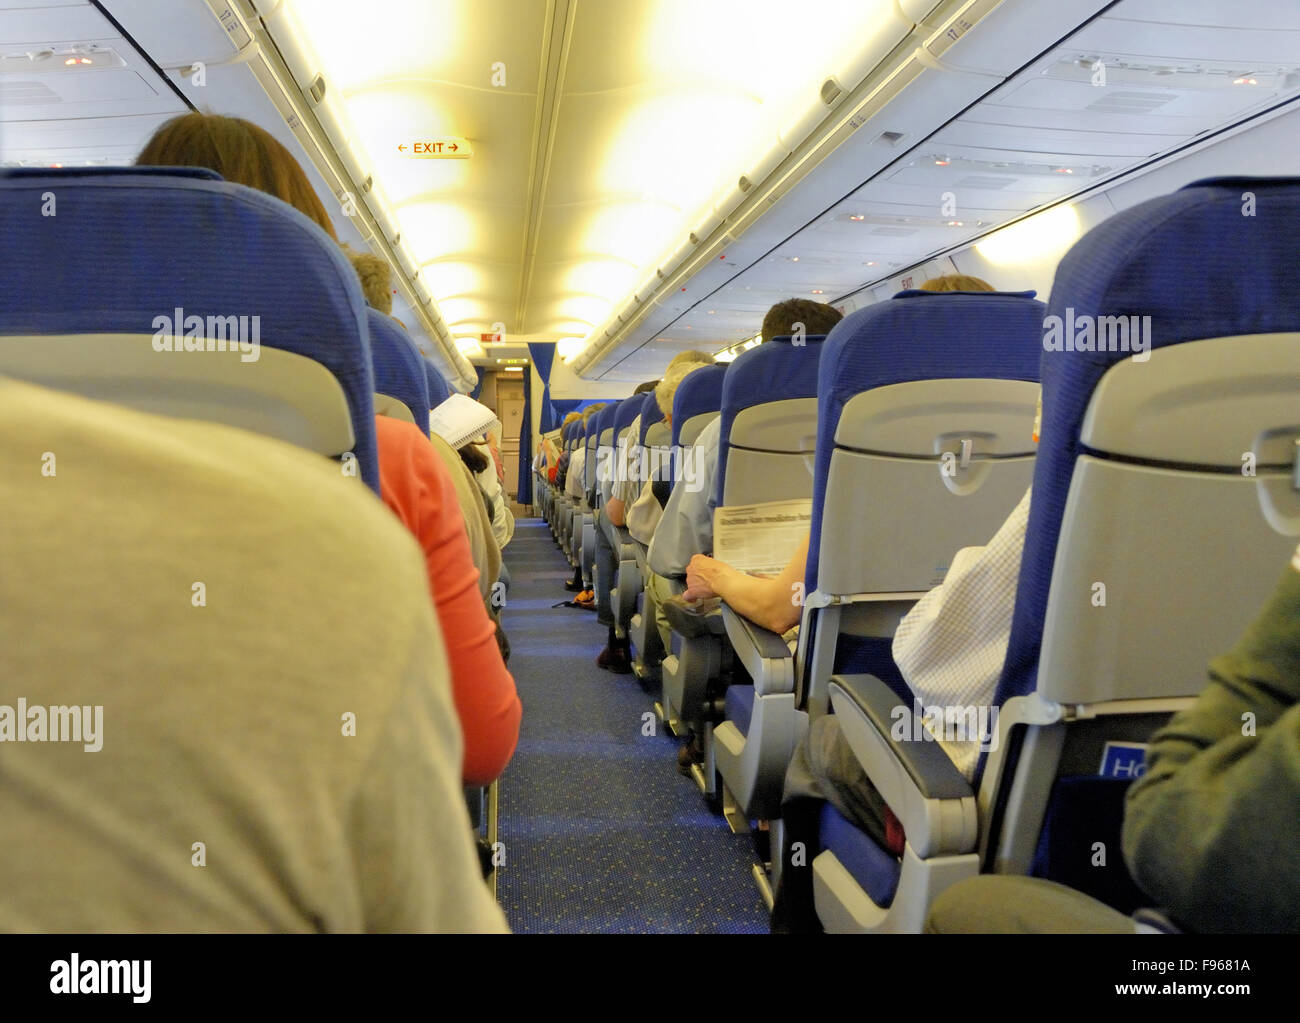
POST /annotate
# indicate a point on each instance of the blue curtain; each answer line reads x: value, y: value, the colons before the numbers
x: 524, y: 489
x: 542, y: 354
x: 563, y: 406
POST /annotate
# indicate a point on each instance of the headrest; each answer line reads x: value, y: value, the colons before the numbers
x: 628, y: 409
x: 605, y: 418
x: 400, y: 369
x: 128, y: 245
x: 1218, y: 258
x: 197, y: 173
x: 700, y: 391
x: 918, y: 335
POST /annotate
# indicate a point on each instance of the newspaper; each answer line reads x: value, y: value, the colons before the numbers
x: 760, y: 538
x: 460, y: 419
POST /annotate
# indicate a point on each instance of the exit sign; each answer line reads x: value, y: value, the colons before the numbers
x: 441, y: 147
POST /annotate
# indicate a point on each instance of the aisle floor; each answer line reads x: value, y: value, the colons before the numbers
x: 601, y: 833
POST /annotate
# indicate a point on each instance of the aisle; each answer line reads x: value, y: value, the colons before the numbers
x: 601, y: 833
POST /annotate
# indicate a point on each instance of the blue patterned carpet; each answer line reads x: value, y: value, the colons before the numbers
x: 602, y: 834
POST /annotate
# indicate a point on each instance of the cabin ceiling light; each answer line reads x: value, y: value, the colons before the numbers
x: 1043, y: 236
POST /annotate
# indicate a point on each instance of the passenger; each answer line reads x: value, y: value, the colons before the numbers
x: 766, y: 601
x: 950, y: 648
x: 1210, y: 829
x: 414, y: 477
x: 643, y: 510
x: 480, y: 526
x: 644, y: 515
x: 627, y: 484
x: 271, y: 711
x: 616, y: 656
x: 477, y: 462
x: 576, y: 488
x: 489, y: 480
x: 686, y: 526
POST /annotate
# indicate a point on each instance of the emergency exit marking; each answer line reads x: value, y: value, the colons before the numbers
x: 444, y: 147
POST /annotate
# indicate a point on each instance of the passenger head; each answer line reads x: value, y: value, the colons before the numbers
x: 957, y: 282
x: 239, y: 151
x: 782, y: 319
x: 569, y: 418
x: 649, y: 385
x: 376, y: 279
x: 591, y: 410
x: 667, y: 388
x: 473, y: 457
x: 688, y: 357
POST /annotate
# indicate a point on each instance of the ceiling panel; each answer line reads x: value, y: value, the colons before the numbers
x: 1171, y: 70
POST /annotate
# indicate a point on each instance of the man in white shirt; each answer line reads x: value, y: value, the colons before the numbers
x: 950, y: 649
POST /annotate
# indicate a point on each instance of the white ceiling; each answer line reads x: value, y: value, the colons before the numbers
x: 555, y: 221
x: 1048, y: 133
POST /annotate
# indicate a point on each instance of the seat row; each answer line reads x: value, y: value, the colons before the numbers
x: 1165, y: 498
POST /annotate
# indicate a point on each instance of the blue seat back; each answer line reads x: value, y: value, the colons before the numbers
x: 128, y: 245
x: 769, y: 422
x: 655, y: 440
x: 956, y: 349
x: 589, y: 441
x: 439, y: 389
x: 651, y: 413
x: 598, y: 444
x: 628, y: 409
x: 399, y: 367
x: 698, y: 396
x: 1216, y: 268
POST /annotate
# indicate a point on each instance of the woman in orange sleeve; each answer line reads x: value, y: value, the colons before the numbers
x: 417, y: 487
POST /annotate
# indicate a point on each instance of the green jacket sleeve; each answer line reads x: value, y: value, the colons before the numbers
x: 1212, y: 830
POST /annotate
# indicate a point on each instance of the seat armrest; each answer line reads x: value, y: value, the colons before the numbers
x: 763, y: 653
x: 914, y: 776
x: 624, y: 545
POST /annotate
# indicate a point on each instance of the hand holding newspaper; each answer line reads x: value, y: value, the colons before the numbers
x: 760, y: 538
